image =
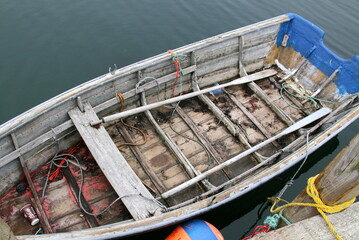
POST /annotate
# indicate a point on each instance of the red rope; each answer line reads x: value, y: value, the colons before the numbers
x: 257, y: 230
x: 177, y: 75
x: 176, y: 63
x: 56, y: 173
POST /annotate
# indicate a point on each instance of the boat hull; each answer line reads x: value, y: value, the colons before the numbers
x: 279, y: 44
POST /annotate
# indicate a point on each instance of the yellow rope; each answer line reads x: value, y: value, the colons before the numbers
x: 321, y: 207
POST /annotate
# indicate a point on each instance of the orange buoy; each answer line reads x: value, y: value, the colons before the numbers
x: 195, y: 230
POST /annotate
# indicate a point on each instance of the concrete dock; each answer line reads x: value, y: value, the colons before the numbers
x: 346, y: 223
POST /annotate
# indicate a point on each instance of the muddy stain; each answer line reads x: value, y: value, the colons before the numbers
x: 159, y: 160
x: 162, y: 117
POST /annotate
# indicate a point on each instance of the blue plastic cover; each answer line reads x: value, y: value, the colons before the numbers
x: 307, y: 39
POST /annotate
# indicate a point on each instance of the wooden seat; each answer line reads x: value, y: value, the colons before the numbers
x: 137, y: 199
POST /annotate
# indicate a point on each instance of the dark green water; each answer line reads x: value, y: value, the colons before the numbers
x: 47, y: 47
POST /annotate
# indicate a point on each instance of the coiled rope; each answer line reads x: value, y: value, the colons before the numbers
x: 319, y: 204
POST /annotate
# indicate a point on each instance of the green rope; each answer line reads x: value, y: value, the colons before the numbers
x: 244, y: 131
x: 284, y: 218
x: 187, y: 137
x: 179, y: 58
x: 302, y: 95
x: 272, y: 221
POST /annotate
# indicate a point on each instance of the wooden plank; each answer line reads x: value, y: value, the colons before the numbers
x: 263, y: 35
x: 91, y: 220
x: 241, y: 70
x: 256, y: 52
x: 301, y: 123
x: 345, y: 223
x: 138, y: 200
x: 35, y: 143
x: 251, y: 117
x: 280, y: 113
x: 217, y: 64
x: 232, y: 128
x: 146, y: 86
x: 257, y: 90
x: 41, y: 213
x: 5, y: 231
x: 324, y: 84
x: 337, y: 183
x: 201, y: 137
x: 189, y: 168
x: 142, y: 159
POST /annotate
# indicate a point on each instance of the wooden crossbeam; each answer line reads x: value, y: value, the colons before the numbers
x: 170, y: 143
x: 197, y: 132
x: 137, y: 199
x: 276, y: 109
x: 38, y: 206
x: 251, y: 117
x: 90, y: 219
x: 142, y: 159
x: 301, y: 123
x: 232, y: 128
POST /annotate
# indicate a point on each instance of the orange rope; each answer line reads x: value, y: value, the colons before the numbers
x: 171, y: 52
x: 122, y: 101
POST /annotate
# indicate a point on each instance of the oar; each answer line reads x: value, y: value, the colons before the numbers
x: 303, y: 122
x: 242, y: 80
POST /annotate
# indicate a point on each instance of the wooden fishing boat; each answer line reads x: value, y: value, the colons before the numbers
x: 175, y: 135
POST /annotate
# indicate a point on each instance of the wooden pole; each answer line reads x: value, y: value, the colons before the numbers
x: 249, y: 78
x: 337, y: 183
x: 301, y: 123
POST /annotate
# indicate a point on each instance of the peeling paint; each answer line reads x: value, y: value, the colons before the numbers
x: 304, y: 36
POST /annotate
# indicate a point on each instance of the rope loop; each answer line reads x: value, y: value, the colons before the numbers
x: 177, y: 57
x: 319, y: 204
x: 294, y: 91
